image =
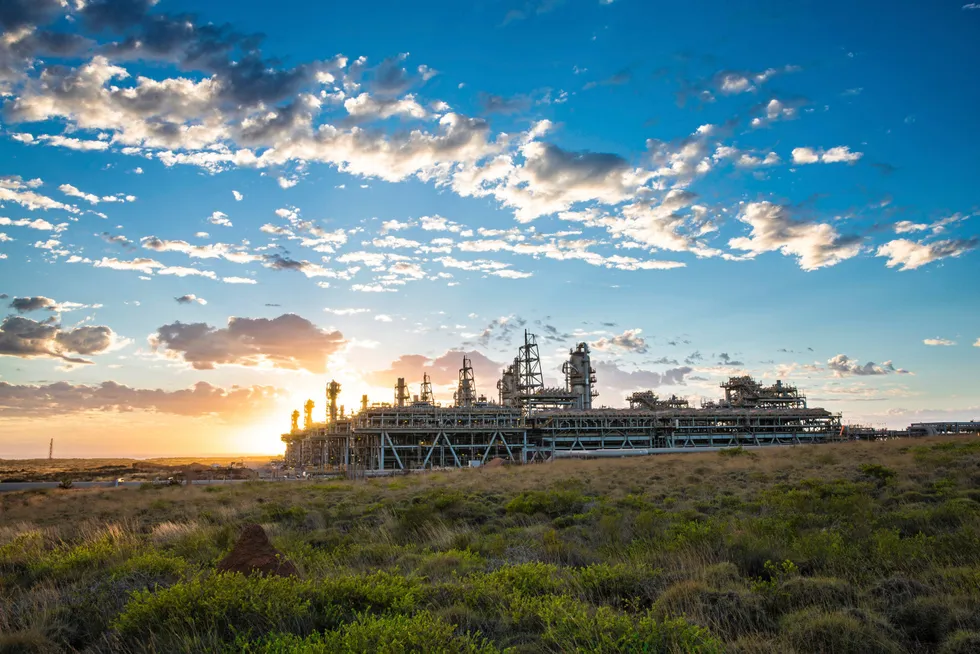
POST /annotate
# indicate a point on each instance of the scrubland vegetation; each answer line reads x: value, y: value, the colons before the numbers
x: 19, y: 470
x: 871, y: 547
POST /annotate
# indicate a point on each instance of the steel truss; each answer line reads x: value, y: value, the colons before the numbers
x: 426, y: 436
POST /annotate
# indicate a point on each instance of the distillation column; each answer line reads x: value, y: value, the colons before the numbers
x: 580, y: 376
x: 333, y: 390
x: 401, y: 392
x: 466, y: 388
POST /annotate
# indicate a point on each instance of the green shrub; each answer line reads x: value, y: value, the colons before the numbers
x: 551, y: 503
x: 961, y: 642
x: 567, y: 625
x: 814, y: 630
x: 441, y: 565
x: 528, y: 579
x: 226, y: 604
x: 821, y: 592
x: 877, y: 471
x: 619, y: 585
x: 925, y: 619
x: 27, y: 642
x: 152, y: 564
x: 729, y: 613
x: 393, y: 634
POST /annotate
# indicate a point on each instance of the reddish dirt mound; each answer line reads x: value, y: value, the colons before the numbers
x: 254, y: 554
x: 495, y: 462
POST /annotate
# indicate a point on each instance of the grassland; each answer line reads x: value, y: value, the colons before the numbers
x: 870, y: 547
x: 108, y: 469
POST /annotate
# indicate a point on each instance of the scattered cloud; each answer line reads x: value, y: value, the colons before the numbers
x: 443, y: 370
x: 630, y: 340
x: 844, y: 366
x: 199, y: 400
x: 289, y: 342
x: 190, y: 299
x: 909, y: 255
x: 816, y: 245
x: 839, y: 154
x: 938, y: 341
x: 219, y: 218
x: 26, y: 338
x: 34, y: 303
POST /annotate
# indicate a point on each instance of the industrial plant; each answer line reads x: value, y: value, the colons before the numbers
x: 529, y: 422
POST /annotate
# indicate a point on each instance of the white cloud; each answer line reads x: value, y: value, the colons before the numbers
x: 938, y: 341
x: 73, y: 143
x: 219, y: 218
x: 189, y: 299
x: 747, y: 160
x: 347, y: 312
x: 366, y: 106
x: 844, y: 366
x: 907, y: 226
x: 815, y: 245
x: 630, y: 340
x: 911, y: 254
x: 382, y: 318
x: 37, y: 223
x: 142, y: 264
x: 15, y: 189
x: 238, y: 280
x: 238, y: 196
x: 839, y: 154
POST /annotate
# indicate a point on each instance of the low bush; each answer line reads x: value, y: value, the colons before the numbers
x: 552, y: 503
x: 961, y: 642
x: 394, y: 634
x: 815, y: 630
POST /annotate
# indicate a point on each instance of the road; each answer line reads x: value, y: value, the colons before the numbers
x: 40, y: 485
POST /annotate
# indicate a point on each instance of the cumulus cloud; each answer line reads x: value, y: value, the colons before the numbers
x: 816, y: 245
x: 199, y: 400
x: 289, y: 342
x: 219, y: 218
x: 38, y: 223
x: 443, y: 370
x: 844, y: 366
x: 938, y: 341
x: 630, y: 340
x: 20, y: 191
x: 190, y: 298
x: 26, y: 338
x: 34, y: 303
x: 909, y: 255
x: 839, y: 154
x: 610, y: 376
x: 368, y: 107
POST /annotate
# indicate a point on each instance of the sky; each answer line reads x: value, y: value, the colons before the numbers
x: 209, y: 210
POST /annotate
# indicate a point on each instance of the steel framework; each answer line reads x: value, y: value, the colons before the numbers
x: 534, y: 422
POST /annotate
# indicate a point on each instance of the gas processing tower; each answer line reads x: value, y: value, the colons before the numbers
x: 531, y: 422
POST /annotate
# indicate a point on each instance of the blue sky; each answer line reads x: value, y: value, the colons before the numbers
x: 696, y: 189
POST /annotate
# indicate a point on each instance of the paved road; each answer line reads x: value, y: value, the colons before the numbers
x: 39, y: 485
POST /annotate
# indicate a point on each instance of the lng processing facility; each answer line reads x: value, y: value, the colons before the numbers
x: 530, y: 422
